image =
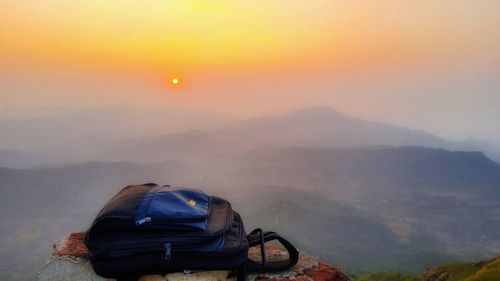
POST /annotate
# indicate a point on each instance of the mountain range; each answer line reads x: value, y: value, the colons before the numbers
x: 362, y: 195
x: 139, y: 136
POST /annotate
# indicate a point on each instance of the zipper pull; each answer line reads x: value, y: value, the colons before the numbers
x: 141, y: 221
x: 168, y: 251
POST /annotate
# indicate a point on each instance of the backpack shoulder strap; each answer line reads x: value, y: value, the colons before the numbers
x: 260, y: 237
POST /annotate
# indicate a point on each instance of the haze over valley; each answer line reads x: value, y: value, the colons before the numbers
x: 363, y: 195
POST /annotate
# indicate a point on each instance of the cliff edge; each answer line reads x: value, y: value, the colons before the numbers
x: 69, y: 263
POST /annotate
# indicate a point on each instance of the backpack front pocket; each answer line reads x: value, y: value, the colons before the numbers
x: 175, y: 208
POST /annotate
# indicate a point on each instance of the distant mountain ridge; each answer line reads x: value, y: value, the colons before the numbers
x: 314, y: 127
x: 73, y: 128
x: 397, y: 163
x: 324, y: 126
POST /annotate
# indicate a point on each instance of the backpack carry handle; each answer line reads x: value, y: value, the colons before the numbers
x: 257, y: 237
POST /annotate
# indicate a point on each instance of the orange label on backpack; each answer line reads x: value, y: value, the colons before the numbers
x: 192, y: 202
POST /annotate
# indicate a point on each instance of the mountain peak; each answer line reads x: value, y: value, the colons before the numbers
x: 319, y: 111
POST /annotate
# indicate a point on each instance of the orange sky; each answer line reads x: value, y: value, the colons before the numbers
x: 198, y: 35
x: 246, y: 58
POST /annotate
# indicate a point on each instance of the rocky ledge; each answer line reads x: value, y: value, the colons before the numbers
x: 69, y: 263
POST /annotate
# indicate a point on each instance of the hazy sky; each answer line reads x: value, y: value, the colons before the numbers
x: 433, y: 65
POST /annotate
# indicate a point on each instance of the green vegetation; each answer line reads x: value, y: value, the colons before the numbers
x: 488, y: 270
x: 385, y: 276
x: 459, y: 271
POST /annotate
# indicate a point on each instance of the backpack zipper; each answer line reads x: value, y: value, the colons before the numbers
x: 126, y: 248
x: 170, y: 220
x: 143, y: 220
x: 168, y: 251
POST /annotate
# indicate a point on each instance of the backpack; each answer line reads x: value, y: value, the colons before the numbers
x: 151, y: 229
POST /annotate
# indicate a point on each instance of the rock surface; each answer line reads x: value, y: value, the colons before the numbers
x: 434, y: 274
x: 69, y: 263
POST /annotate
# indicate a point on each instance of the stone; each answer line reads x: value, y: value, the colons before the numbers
x: 69, y: 263
x: 434, y: 274
x: 213, y: 275
x: 71, y: 245
x: 66, y: 268
x: 326, y: 273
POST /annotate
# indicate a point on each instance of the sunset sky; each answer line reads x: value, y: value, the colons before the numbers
x: 432, y: 65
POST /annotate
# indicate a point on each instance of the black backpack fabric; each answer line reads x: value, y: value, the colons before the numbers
x: 152, y: 229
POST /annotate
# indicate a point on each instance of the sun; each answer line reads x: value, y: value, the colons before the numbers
x: 175, y: 81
